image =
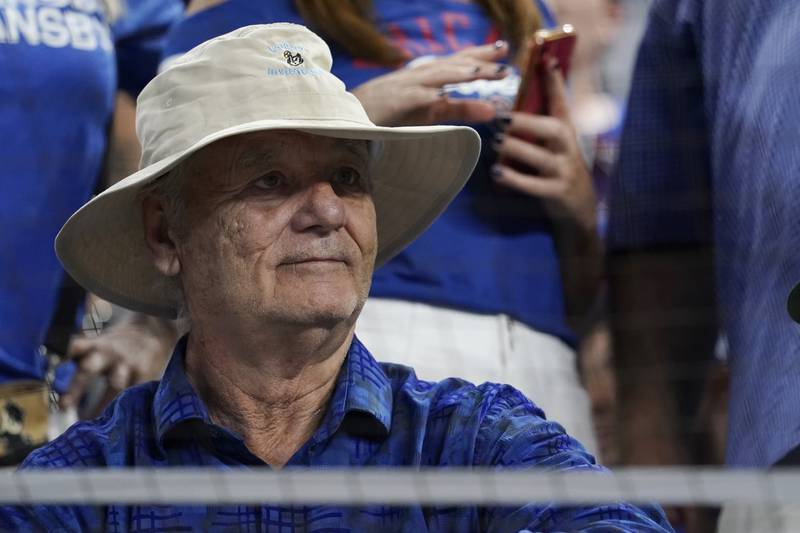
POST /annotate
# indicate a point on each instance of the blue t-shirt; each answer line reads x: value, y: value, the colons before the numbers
x: 493, y: 250
x: 56, y: 98
x: 379, y: 415
x: 710, y: 155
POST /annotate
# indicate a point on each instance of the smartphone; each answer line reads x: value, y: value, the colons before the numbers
x: 532, y: 94
x: 558, y: 43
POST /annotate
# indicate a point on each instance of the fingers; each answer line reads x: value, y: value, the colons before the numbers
x: 448, y: 71
x: 556, y: 91
x: 555, y: 133
x: 525, y: 183
x: 79, y: 346
x: 96, y: 364
x: 462, y: 110
x: 418, y: 98
x: 89, y: 366
x: 120, y: 377
x: 487, y: 52
x: 543, y: 160
x: 418, y: 92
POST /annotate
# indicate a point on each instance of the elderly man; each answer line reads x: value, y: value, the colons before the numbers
x: 265, y: 200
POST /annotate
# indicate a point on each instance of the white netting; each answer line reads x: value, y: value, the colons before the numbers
x: 666, y: 486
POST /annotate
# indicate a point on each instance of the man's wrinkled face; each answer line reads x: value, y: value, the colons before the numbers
x: 279, y: 227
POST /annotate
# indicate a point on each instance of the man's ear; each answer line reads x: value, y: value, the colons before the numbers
x: 158, y: 236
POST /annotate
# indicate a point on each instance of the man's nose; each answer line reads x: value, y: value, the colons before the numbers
x: 322, y: 210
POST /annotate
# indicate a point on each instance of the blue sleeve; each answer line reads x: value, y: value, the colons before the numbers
x: 660, y: 192
x: 513, y: 434
x: 139, y: 37
x: 44, y: 518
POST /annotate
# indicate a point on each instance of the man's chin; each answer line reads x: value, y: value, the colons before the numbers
x: 319, y: 314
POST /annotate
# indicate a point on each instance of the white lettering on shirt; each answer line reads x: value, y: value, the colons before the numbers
x: 54, y: 23
x: 22, y: 24
x: 81, y: 31
x: 53, y: 31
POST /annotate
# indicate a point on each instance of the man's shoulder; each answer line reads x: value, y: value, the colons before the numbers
x: 459, y: 395
x: 488, y: 424
x: 455, y: 391
x: 102, y: 440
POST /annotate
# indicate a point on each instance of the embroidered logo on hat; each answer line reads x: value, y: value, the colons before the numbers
x: 293, y: 59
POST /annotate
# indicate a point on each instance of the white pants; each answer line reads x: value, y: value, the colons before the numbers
x: 440, y: 343
x: 754, y: 519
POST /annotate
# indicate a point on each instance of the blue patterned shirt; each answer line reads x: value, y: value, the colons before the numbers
x: 379, y: 415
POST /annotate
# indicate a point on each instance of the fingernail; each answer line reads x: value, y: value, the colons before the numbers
x: 501, y: 69
x: 502, y: 120
x: 495, y: 171
x: 498, y: 140
x: 500, y: 44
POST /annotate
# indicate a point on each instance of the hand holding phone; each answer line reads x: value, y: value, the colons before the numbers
x: 538, y: 152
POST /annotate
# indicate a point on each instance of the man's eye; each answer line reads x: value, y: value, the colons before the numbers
x: 270, y: 181
x: 348, y: 178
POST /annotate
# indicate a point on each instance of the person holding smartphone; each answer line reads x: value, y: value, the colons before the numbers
x: 493, y: 289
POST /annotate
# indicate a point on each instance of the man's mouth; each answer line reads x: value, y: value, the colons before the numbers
x: 315, y: 262
x: 314, y: 259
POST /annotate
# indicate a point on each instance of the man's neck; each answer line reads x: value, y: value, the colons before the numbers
x: 271, y: 389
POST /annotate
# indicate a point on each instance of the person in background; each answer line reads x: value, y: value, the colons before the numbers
x: 703, y: 235
x: 490, y: 290
x: 63, y: 63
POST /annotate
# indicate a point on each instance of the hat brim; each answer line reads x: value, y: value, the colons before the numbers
x: 418, y: 172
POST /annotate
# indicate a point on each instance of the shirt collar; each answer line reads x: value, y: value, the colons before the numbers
x: 175, y: 400
x: 361, y: 403
x: 362, y: 400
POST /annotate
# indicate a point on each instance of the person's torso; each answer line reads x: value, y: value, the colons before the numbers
x: 432, y: 425
x: 709, y: 158
x: 492, y: 251
x: 752, y: 73
x: 57, y: 89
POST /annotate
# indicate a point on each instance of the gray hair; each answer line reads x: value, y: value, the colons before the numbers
x: 169, y: 187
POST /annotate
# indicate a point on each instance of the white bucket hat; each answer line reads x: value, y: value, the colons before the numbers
x: 257, y: 78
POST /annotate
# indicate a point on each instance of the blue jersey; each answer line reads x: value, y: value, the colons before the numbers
x: 493, y: 250
x: 709, y: 155
x: 56, y: 98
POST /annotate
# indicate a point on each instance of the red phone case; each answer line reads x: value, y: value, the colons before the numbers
x: 558, y: 43
x: 532, y: 94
